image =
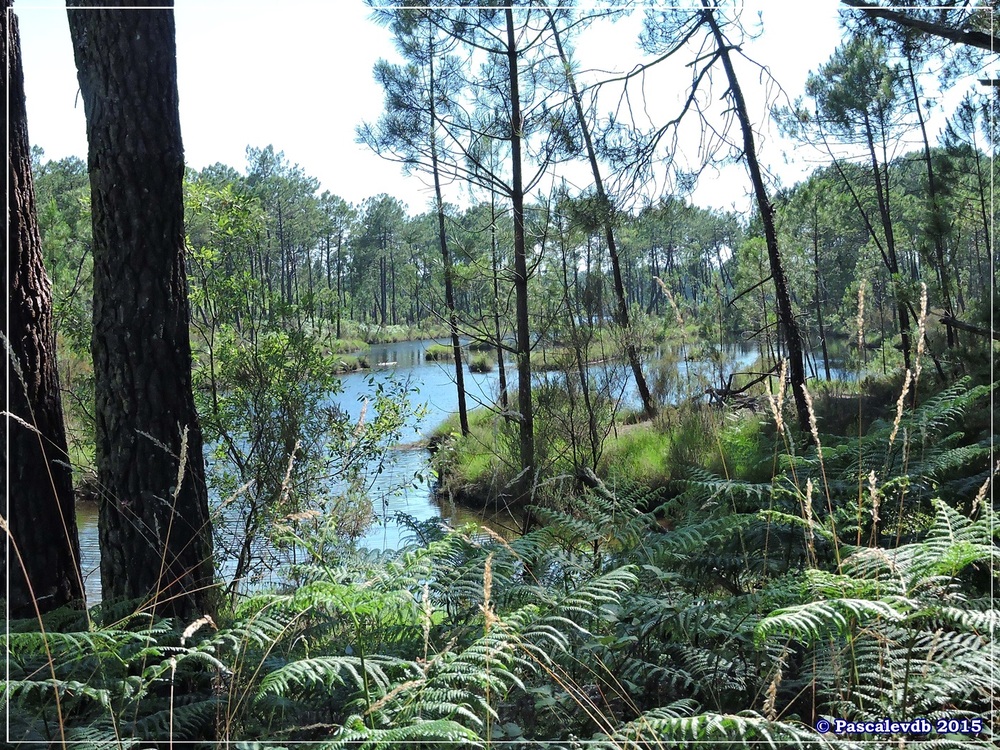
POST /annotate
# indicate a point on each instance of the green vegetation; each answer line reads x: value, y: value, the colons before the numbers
x: 788, y: 522
x: 345, y: 364
x: 470, y: 468
x: 637, y: 454
x: 481, y: 363
x: 347, y: 346
x: 391, y: 334
x: 438, y: 353
x: 765, y: 607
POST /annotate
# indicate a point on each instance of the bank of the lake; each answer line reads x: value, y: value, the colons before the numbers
x: 406, y: 486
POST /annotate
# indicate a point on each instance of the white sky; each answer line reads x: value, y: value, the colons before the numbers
x: 298, y: 74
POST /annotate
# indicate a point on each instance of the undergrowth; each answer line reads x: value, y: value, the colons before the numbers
x: 853, y: 584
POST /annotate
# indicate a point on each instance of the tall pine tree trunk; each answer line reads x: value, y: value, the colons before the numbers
x: 937, y: 219
x: 819, y: 294
x: 526, y: 433
x: 786, y: 317
x: 155, y: 535
x: 880, y: 173
x: 38, y: 484
x: 605, y: 208
x: 340, y: 282
x: 449, y: 276
x: 497, y: 331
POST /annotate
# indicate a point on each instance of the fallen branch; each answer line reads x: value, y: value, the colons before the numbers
x: 952, y: 322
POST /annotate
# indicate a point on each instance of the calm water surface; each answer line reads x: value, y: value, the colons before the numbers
x: 395, y: 490
x: 399, y: 488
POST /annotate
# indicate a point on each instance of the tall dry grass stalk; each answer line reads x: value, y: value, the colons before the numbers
x: 189, y: 631
x: 860, y: 322
x: 360, y: 426
x: 217, y: 512
x: 181, y: 470
x: 489, y: 615
x: 426, y: 613
x: 181, y: 463
x: 670, y: 298
x: 197, y: 625
x: 677, y: 316
x: 981, y: 504
x: 496, y: 538
x: 286, y: 482
x: 900, y: 403
x: 874, y: 497
x: 814, y: 431
x: 388, y: 697
x: 921, y: 336
x: 807, y: 513
x: 813, y: 427
x: 772, y: 689
x: 860, y: 325
x: 777, y: 403
x: 25, y: 425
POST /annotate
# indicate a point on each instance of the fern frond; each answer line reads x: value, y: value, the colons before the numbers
x: 328, y: 671
x: 357, y: 736
x: 810, y: 622
x: 746, y: 729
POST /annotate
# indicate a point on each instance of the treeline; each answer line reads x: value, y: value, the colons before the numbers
x: 282, y: 250
x: 301, y: 279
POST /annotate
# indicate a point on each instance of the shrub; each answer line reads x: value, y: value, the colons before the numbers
x: 438, y: 353
x: 481, y: 363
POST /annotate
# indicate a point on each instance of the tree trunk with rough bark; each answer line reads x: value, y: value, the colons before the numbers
x: 155, y: 533
x: 819, y: 292
x: 42, y: 566
x: 605, y: 208
x: 523, y: 335
x: 449, y: 284
x: 881, y: 173
x: 786, y: 317
x: 937, y: 220
x: 497, y: 332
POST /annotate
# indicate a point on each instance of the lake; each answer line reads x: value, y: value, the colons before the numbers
x: 396, y: 490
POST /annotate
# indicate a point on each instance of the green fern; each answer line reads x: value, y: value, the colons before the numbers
x: 357, y: 736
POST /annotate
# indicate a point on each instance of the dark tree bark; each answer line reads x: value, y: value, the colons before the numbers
x: 936, y: 222
x: 44, y: 570
x: 325, y: 307
x: 573, y: 315
x: 962, y: 326
x: 970, y: 37
x: 383, y: 286
x: 340, y: 280
x: 449, y: 284
x: 497, y: 333
x: 605, y: 208
x: 881, y: 175
x: 155, y: 534
x: 786, y: 317
x: 819, y: 291
x: 523, y: 334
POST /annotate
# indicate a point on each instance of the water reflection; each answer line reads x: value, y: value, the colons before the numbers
x: 404, y: 486
x: 90, y: 554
